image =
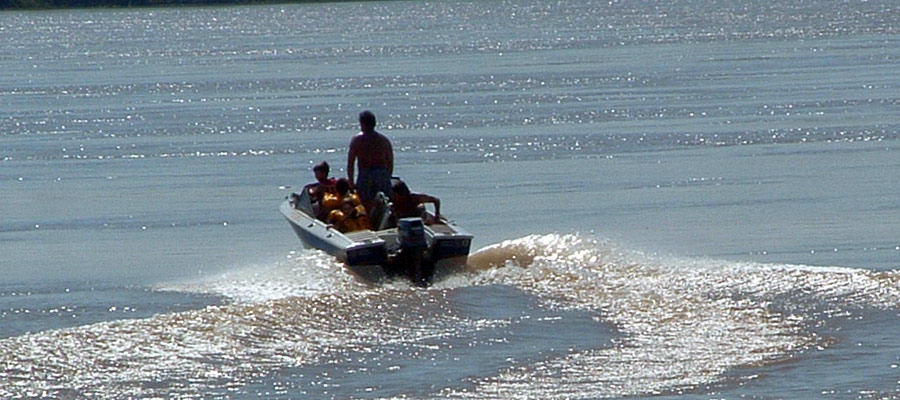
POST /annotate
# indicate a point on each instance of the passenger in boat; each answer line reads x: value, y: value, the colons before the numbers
x: 321, y: 187
x: 351, y: 217
x: 323, y: 184
x: 332, y: 200
x: 405, y: 203
x: 373, y: 153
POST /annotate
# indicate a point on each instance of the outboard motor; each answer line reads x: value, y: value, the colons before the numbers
x: 412, y: 233
x: 412, y: 250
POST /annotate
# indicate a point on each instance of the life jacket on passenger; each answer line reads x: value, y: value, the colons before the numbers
x: 332, y: 202
x: 317, y: 190
x: 351, y: 217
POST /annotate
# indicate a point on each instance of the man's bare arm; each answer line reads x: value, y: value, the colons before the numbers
x: 422, y: 198
x: 351, y: 160
x: 390, y: 158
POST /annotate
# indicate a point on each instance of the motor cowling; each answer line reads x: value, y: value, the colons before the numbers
x: 413, y: 246
x: 412, y: 233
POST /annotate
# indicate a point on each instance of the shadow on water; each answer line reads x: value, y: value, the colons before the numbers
x: 527, y: 333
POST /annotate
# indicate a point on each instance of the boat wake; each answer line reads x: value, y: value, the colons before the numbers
x: 685, y: 322
x: 682, y: 324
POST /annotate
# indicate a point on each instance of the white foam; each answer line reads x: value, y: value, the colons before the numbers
x: 686, y: 321
x: 305, y: 273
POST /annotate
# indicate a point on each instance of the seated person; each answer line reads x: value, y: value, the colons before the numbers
x: 322, y: 186
x: 406, y: 204
x: 351, y: 217
x: 323, y: 183
x: 332, y: 200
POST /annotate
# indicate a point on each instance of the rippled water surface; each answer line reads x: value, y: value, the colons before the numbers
x: 680, y: 199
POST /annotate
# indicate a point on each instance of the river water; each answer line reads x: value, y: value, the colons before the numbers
x: 686, y: 199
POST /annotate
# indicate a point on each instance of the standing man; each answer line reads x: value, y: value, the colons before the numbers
x: 375, y: 157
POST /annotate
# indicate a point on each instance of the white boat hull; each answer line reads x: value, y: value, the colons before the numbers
x: 375, y: 254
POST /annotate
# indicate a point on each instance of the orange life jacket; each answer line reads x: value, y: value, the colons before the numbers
x: 356, y: 221
x: 332, y: 201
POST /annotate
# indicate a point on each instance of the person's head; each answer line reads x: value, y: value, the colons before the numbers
x: 321, y: 170
x: 399, y: 188
x: 347, y: 205
x: 366, y: 121
x: 342, y: 186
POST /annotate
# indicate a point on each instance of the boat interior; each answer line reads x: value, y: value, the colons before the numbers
x: 446, y: 237
x: 379, y: 216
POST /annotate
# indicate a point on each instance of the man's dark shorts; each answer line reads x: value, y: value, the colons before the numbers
x: 371, y: 181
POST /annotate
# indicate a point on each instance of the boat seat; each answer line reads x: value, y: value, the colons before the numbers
x: 380, y: 214
x: 365, y: 236
x: 442, y: 229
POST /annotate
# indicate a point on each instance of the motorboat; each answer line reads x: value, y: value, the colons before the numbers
x: 408, y: 247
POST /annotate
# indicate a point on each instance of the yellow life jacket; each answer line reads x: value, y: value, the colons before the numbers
x: 355, y: 222
x: 331, y: 201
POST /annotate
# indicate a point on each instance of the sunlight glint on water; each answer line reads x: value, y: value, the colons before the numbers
x: 692, y: 199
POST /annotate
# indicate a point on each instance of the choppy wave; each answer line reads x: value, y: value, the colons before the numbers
x: 684, y: 324
x: 211, y: 351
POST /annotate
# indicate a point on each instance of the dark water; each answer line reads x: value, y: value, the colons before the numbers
x: 689, y: 199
